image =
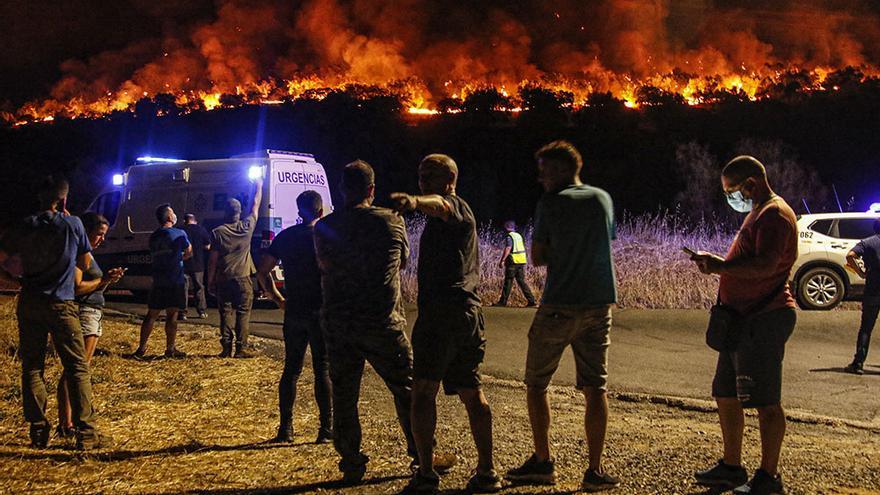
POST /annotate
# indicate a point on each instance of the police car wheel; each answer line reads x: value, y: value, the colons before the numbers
x: 820, y: 288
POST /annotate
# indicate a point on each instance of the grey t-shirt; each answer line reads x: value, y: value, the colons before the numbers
x: 577, y: 223
x: 233, y: 243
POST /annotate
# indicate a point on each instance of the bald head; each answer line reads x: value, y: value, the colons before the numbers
x: 742, y: 168
x: 438, y: 174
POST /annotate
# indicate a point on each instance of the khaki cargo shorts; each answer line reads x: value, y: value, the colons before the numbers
x: 586, y: 330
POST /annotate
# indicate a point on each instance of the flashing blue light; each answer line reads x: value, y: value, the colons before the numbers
x: 118, y: 179
x: 153, y: 159
x: 255, y: 172
x: 874, y: 208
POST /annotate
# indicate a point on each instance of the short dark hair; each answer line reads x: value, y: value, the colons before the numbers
x: 877, y: 226
x: 92, y: 220
x: 162, y: 212
x: 52, y: 189
x: 188, y: 216
x: 561, y: 151
x: 357, y: 177
x: 309, y: 201
x: 743, y: 167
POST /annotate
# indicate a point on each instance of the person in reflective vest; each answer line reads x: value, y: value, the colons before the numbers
x: 513, y: 260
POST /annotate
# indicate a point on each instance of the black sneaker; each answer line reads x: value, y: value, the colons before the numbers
x: 484, y: 482
x: 419, y: 483
x: 762, y: 484
x: 355, y: 475
x: 92, y: 442
x: 243, y: 354
x: 855, y: 369
x: 722, y: 475
x: 181, y: 316
x: 285, y: 435
x: 139, y: 355
x: 534, y: 471
x: 62, y: 431
x: 325, y: 435
x: 40, y: 435
x: 202, y: 315
x: 174, y: 354
x: 594, y: 481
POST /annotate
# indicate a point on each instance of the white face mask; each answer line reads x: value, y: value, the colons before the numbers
x: 174, y: 218
x: 739, y: 203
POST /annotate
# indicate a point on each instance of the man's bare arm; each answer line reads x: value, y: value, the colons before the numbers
x: 432, y: 205
x: 504, y: 255
x: 212, y: 270
x: 258, y: 198
x: 188, y: 253
x: 264, y: 277
x: 851, y: 258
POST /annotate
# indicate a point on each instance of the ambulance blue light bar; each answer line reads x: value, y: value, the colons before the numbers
x: 118, y: 179
x: 874, y: 208
x: 154, y: 159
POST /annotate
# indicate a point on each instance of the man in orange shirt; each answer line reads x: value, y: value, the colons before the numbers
x: 754, y: 282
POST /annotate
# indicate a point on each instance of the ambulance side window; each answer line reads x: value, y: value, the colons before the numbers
x: 108, y: 205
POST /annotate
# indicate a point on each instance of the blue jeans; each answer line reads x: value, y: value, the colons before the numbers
x: 870, y: 310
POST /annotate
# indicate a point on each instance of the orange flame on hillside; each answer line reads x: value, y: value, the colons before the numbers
x: 578, y: 55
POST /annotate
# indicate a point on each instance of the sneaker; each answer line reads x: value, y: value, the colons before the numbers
x: 225, y: 353
x: 855, y: 369
x: 325, y: 435
x: 354, y: 476
x: 40, y: 435
x: 722, y: 475
x: 443, y: 462
x: 484, y: 482
x: 202, y: 315
x: 62, y: 431
x: 762, y: 484
x: 181, y: 316
x: 174, y: 354
x: 92, y: 442
x: 139, y: 355
x: 242, y: 353
x: 419, y: 483
x: 285, y: 435
x: 595, y: 481
x: 534, y: 471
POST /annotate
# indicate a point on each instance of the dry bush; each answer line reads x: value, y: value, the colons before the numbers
x: 652, y: 271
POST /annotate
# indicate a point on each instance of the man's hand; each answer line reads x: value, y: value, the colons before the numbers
x: 404, y: 202
x: 708, y: 263
x: 113, y: 275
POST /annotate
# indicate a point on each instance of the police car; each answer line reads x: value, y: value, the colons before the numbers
x: 820, y: 278
x: 200, y: 187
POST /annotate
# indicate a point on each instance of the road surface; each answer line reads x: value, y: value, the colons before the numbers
x: 662, y: 352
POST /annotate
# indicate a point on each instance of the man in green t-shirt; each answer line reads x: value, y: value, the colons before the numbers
x: 574, y: 226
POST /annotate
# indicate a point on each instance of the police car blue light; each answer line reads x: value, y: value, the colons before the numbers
x: 874, y: 208
x: 118, y: 179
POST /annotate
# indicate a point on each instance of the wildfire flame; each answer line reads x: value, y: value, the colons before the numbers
x: 621, y: 50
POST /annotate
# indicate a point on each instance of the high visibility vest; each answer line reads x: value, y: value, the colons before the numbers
x: 518, y: 253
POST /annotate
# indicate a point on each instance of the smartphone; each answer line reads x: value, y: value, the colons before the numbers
x: 690, y: 252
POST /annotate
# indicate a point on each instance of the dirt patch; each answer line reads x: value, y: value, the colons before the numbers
x: 198, y: 425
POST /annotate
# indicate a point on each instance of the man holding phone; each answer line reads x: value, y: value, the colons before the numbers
x: 754, y: 282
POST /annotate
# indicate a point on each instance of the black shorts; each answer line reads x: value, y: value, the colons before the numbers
x: 167, y: 298
x: 753, y: 372
x: 449, y: 346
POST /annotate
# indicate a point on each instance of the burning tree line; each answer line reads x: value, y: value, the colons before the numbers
x: 777, y: 83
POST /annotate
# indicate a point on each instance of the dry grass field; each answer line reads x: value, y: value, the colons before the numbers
x: 199, y: 425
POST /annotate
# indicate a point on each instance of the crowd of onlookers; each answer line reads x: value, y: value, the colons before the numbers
x: 342, y: 299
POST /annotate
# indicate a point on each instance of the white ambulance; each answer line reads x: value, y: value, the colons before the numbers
x: 200, y: 187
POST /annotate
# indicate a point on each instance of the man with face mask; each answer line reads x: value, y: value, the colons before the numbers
x: 169, y: 246
x: 754, y: 282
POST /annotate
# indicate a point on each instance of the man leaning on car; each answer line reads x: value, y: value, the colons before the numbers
x: 869, y: 252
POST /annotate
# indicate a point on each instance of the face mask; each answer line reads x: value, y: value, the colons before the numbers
x: 738, y: 202
x: 174, y: 219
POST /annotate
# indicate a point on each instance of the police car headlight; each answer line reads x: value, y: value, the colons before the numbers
x: 117, y: 179
x: 255, y: 172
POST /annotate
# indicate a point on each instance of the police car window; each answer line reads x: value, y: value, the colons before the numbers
x: 855, y: 228
x: 822, y: 226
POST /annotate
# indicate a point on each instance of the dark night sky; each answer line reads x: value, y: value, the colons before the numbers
x: 36, y: 36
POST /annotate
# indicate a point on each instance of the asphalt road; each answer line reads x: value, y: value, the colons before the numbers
x: 663, y: 352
